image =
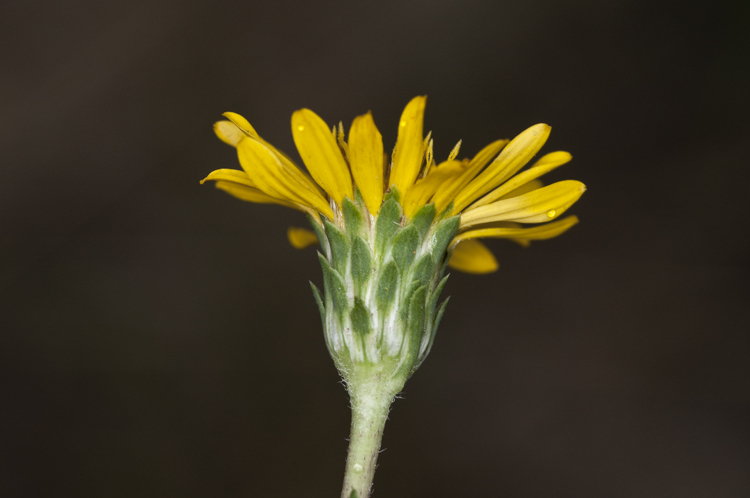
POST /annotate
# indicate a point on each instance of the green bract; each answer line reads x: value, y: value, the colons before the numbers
x: 382, y: 281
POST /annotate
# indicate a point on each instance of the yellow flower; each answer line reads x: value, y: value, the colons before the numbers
x: 493, y: 201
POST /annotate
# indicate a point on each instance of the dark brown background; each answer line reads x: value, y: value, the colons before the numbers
x: 159, y: 338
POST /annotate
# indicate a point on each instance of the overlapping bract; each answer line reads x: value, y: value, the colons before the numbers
x: 491, y: 199
x: 382, y: 283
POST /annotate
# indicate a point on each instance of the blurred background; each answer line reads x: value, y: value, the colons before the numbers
x: 158, y: 337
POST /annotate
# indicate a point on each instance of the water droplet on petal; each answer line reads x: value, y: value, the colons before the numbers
x: 403, y: 123
x: 551, y: 213
x: 301, y: 127
x: 358, y: 468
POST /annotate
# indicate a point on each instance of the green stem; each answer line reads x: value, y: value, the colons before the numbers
x: 370, y: 405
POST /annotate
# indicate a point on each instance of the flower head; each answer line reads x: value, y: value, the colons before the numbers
x: 389, y: 225
x: 485, y: 191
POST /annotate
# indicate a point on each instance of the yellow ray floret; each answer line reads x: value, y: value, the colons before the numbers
x: 407, y: 157
x: 238, y: 184
x: 447, y: 192
x: 301, y: 238
x: 523, y: 189
x: 512, y: 158
x: 254, y: 195
x: 538, y: 206
x: 243, y: 124
x: 471, y: 256
x: 321, y: 154
x: 237, y: 128
x: 543, y: 166
x: 278, y: 179
x: 542, y: 232
x: 366, y: 160
x: 230, y: 175
x: 228, y: 132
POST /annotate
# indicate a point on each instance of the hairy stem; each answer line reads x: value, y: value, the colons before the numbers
x: 370, y: 405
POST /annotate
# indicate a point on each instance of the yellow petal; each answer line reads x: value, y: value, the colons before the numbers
x: 407, y: 157
x: 278, y: 179
x: 499, y: 224
x: 228, y: 132
x: 542, y: 232
x: 242, y: 124
x: 447, y: 192
x: 547, y: 163
x: 247, y: 130
x: 366, y: 160
x: 230, y: 175
x: 537, y: 206
x: 253, y: 195
x: 238, y: 184
x: 321, y: 154
x: 471, y: 256
x: 523, y: 189
x: 301, y: 238
x: 424, y: 189
x: 513, y: 157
